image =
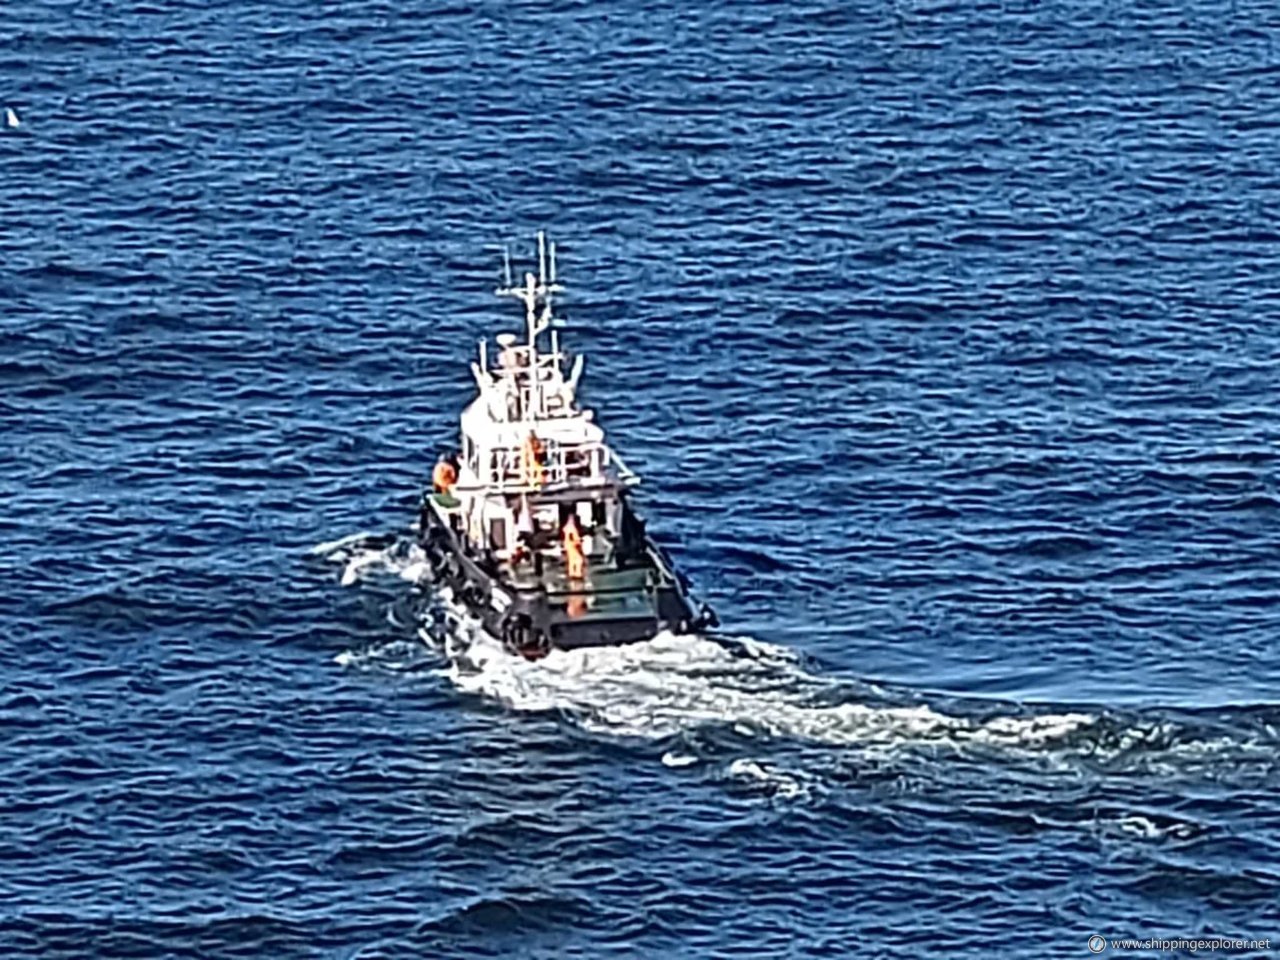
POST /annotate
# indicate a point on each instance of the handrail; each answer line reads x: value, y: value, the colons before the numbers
x: 644, y: 590
x: 661, y: 560
x: 625, y: 473
x: 505, y: 470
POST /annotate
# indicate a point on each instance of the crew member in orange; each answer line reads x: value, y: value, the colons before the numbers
x: 444, y: 476
x: 531, y: 468
x: 574, y: 560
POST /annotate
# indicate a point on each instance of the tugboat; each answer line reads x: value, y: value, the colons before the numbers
x: 530, y: 525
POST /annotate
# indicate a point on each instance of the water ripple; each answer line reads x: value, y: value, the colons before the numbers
x: 942, y: 333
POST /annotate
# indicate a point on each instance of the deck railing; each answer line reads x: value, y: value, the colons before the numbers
x: 507, y: 468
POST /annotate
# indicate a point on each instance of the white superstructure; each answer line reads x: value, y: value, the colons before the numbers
x: 528, y: 451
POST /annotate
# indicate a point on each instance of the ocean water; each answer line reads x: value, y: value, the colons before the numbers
x: 943, y: 334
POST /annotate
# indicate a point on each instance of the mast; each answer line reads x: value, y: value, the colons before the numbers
x: 536, y: 294
x: 555, y: 334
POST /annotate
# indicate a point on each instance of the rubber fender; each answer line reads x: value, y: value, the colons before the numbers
x: 515, y: 630
x: 449, y: 567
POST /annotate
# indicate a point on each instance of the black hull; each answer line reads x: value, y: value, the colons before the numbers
x: 532, y: 619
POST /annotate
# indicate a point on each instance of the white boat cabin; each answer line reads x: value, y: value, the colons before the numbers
x: 529, y: 455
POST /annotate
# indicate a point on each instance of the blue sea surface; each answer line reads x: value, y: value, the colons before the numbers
x: 944, y: 335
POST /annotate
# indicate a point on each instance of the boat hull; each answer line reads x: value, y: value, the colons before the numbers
x: 608, y: 608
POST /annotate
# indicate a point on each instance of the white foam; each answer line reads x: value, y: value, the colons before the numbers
x: 675, y: 684
x: 415, y: 571
x: 776, y: 782
x: 1144, y: 828
x: 402, y: 559
x: 673, y: 759
x: 1140, y: 826
x: 356, y: 567
x: 394, y: 655
x: 330, y: 547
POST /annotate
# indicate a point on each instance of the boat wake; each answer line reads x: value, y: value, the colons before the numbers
x: 692, y: 693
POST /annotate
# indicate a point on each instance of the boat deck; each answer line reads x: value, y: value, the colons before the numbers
x: 605, y: 590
